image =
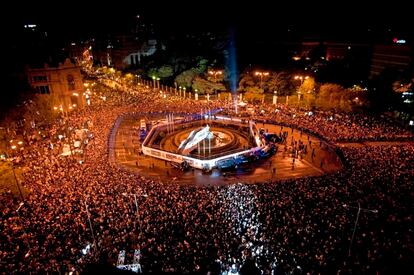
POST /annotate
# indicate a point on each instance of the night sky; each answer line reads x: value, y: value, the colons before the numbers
x: 80, y: 19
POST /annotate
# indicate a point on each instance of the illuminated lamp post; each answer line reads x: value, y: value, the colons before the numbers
x: 356, y: 221
x: 301, y: 78
x: 136, y: 204
x: 215, y: 73
x: 14, y: 147
x: 261, y: 74
x: 153, y: 81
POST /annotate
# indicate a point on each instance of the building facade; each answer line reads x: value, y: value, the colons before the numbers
x: 64, y: 82
x: 391, y: 56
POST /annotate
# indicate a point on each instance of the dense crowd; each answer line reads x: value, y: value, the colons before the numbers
x: 350, y: 127
x: 296, y: 226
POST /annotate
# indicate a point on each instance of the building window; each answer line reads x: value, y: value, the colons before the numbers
x: 43, y: 89
x: 71, y: 82
x: 39, y: 78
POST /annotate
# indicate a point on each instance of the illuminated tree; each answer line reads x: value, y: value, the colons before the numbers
x: 40, y: 110
x: 307, y: 89
x: 328, y: 96
x: 246, y: 81
x: 206, y: 87
x: 280, y: 82
x: 253, y: 94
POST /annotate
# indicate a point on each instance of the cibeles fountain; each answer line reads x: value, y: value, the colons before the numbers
x: 203, y: 142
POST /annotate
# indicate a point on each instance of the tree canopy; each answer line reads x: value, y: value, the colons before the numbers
x: 186, y: 78
x: 205, y: 86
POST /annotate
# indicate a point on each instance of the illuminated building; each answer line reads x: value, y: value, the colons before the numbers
x: 64, y: 81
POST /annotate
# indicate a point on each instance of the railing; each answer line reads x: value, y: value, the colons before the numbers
x: 111, y: 139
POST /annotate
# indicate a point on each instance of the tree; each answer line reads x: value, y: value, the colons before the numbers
x: 280, y: 82
x: 165, y: 71
x: 206, y: 87
x: 345, y: 104
x: 253, y: 93
x: 329, y: 96
x: 307, y: 89
x: 152, y: 72
x: 186, y: 78
x: 40, y: 110
x: 246, y: 81
x: 201, y: 65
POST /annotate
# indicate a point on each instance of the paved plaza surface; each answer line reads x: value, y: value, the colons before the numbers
x: 280, y: 166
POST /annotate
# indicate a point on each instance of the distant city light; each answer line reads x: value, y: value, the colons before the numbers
x: 30, y: 26
x: 412, y: 122
x: 399, y: 41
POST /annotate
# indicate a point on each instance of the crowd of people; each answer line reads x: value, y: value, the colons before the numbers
x: 344, y: 127
x: 300, y: 226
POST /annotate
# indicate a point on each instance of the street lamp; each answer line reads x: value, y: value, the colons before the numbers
x: 90, y: 224
x: 136, y: 202
x: 24, y: 228
x: 301, y: 78
x: 158, y: 82
x: 261, y: 74
x: 153, y: 81
x: 14, y: 147
x: 356, y: 221
x: 196, y: 94
x: 215, y: 73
